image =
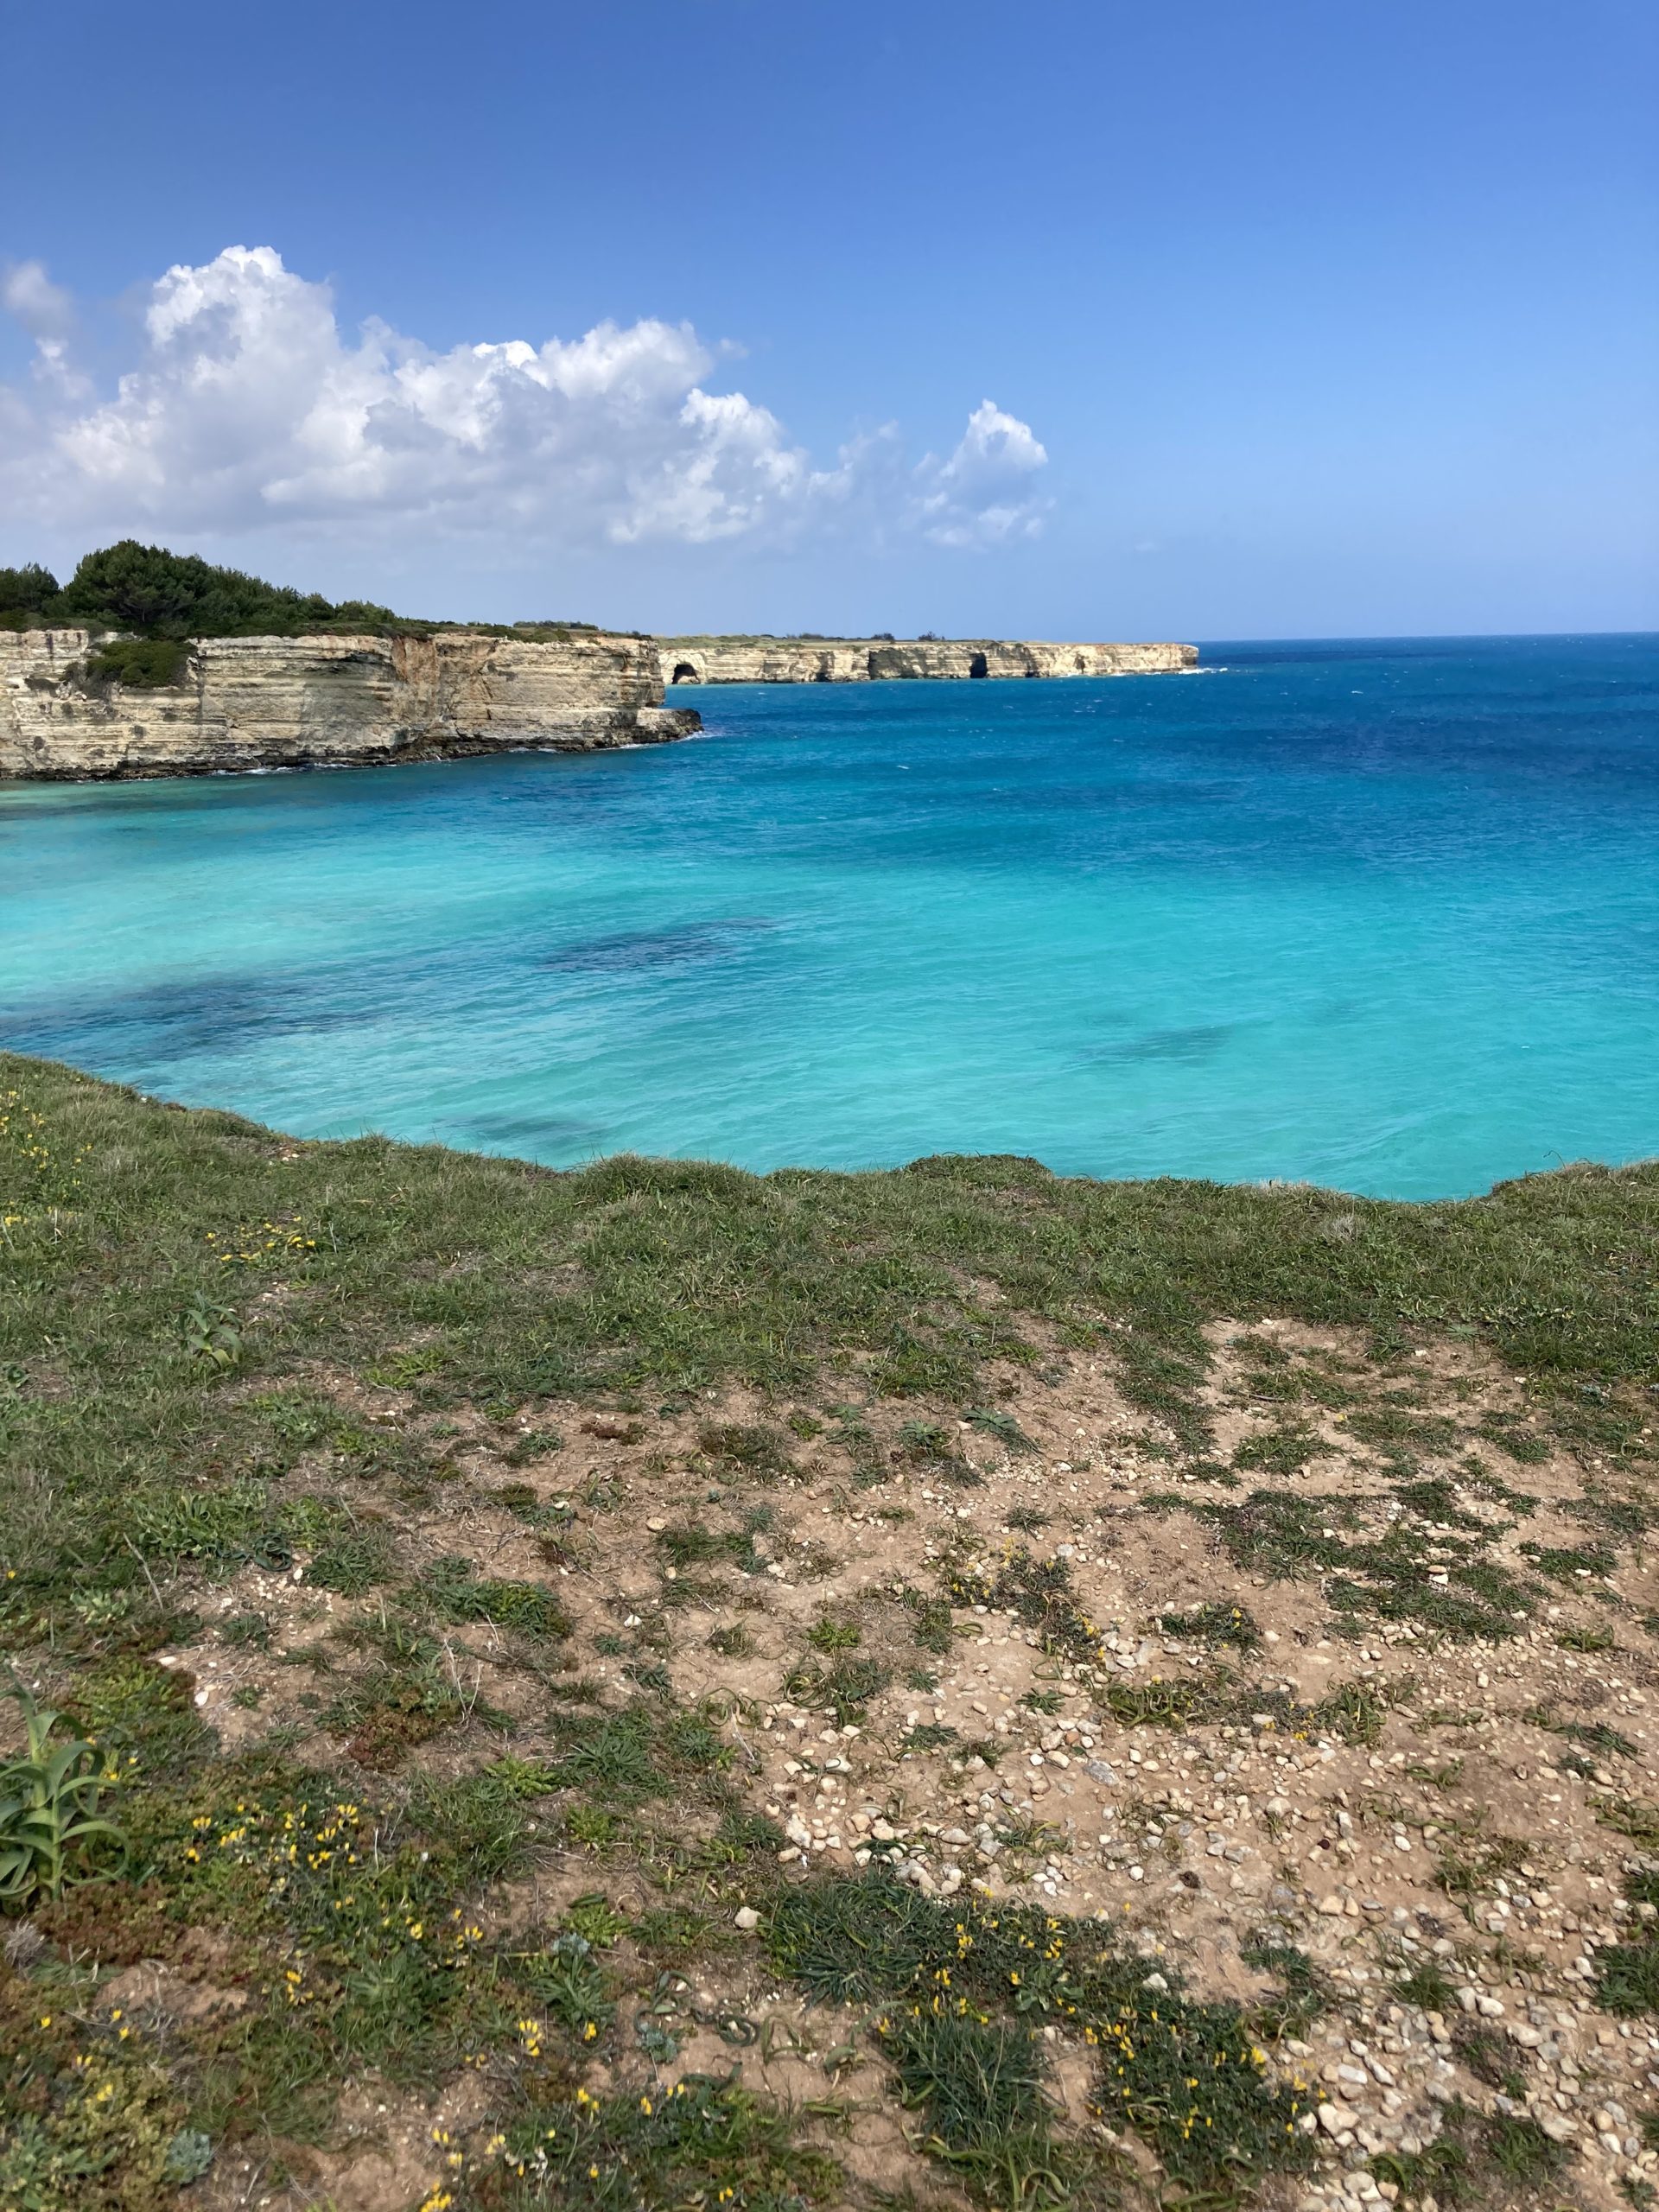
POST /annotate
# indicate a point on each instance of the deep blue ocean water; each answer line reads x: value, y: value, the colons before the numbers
x: 1381, y: 915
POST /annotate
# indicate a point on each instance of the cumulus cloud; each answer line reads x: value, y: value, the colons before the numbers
x: 248, y: 406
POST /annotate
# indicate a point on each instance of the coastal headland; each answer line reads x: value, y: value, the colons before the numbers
x: 230, y: 704
x: 151, y: 663
x: 877, y: 661
x: 302, y: 701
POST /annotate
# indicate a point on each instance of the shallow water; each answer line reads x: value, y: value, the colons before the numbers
x: 1382, y: 915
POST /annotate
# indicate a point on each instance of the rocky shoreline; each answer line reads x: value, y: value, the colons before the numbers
x: 241, y: 704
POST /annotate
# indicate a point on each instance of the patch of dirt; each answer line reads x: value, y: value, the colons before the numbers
x: 1370, y: 1676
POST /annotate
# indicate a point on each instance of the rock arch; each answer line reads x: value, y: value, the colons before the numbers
x: 685, y: 672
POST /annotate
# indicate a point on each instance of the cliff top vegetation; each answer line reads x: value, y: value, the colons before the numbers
x: 147, y: 592
x: 497, y: 1649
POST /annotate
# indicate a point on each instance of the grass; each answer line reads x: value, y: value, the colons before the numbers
x: 959, y: 1991
x: 191, y: 1311
x: 1289, y: 1535
x: 1474, y: 2159
x: 1214, y: 1624
x: 1627, y: 1974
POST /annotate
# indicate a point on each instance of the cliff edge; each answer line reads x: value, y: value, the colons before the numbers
x: 876, y: 660
x: 290, y: 702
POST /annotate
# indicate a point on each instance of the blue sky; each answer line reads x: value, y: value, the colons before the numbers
x: 1296, y: 320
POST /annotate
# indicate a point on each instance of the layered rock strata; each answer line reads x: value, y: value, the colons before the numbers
x: 290, y: 702
x: 874, y: 660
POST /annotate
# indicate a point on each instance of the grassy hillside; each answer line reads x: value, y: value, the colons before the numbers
x: 441, y: 1555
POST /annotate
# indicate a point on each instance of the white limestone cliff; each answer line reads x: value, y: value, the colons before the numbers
x: 874, y: 660
x: 266, y: 702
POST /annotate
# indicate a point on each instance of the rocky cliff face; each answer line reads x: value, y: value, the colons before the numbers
x: 270, y: 703
x: 875, y: 660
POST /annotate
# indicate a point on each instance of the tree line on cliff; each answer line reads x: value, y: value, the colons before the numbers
x: 145, y: 591
x: 155, y: 600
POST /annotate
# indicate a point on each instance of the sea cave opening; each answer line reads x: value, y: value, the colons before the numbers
x: 977, y: 665
x: 685, y: 673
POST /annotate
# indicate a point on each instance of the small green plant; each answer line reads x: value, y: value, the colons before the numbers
x: 1596, y: 1736
x: 1004, y: 1426
x: 1026, y: 1519
x: 211, y: 1332
x: 188, y: 2155
x: 1427, y: 1988
x: 49, y: 1797
x: 1303, y: 1993
x: 1353, y: 1711
x: 754, y: 1451
x: 929, y: 1735
x: 1584, y: 1639
x: 1214, y: 1624
x: 843, y: 1689
x: 835, y: 1636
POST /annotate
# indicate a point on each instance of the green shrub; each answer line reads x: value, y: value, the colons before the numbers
x: 141, y: 663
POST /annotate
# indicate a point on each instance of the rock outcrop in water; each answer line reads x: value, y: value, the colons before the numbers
x: 875, y: 660
x: 289, y: 702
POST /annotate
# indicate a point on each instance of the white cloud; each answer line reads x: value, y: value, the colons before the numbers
x: 48, y: 314
x: 248, y: 406
x: 983, y: 493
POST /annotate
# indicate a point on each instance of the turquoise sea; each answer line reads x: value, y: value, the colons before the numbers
x: 1381, y: 915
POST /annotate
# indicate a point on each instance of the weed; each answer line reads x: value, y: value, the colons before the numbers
x: 1353, y: 1711
x: 1039, y: 1592
x: 211, y: 1332
x: 1304, y: 1992
x: 1002, y: 1425
x: 49, y: 1796
x: 1426, y: 1988
x: 1471, y: 1862
x: 353, y: 1563
x: 756, y: 1451
x: 1564, y: 1564
x: 932, y: 1626
x: 928, y: 1736
x: 980, y: 2082
x: 1596, y: 1735
x: 1026, y: 1519
x: 612, y: 1756
x: 1287, y: 1536
x: 735, y: 1642
x: 843, y: 1688
x: 1632, y: 1817
x: 1521, y: 2152
x: 1280, y: 1450
x: 1584, y: 1639
x: 928, y: 1444
x: 1214, y: 1624
x: 835, y: 1636
x: 701, y: 2142
x: 569, y: 1983
x: 1627, y: 1978
x: 1156, y: 1704
x: 249, y: 1629
x: 456, y: 1593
